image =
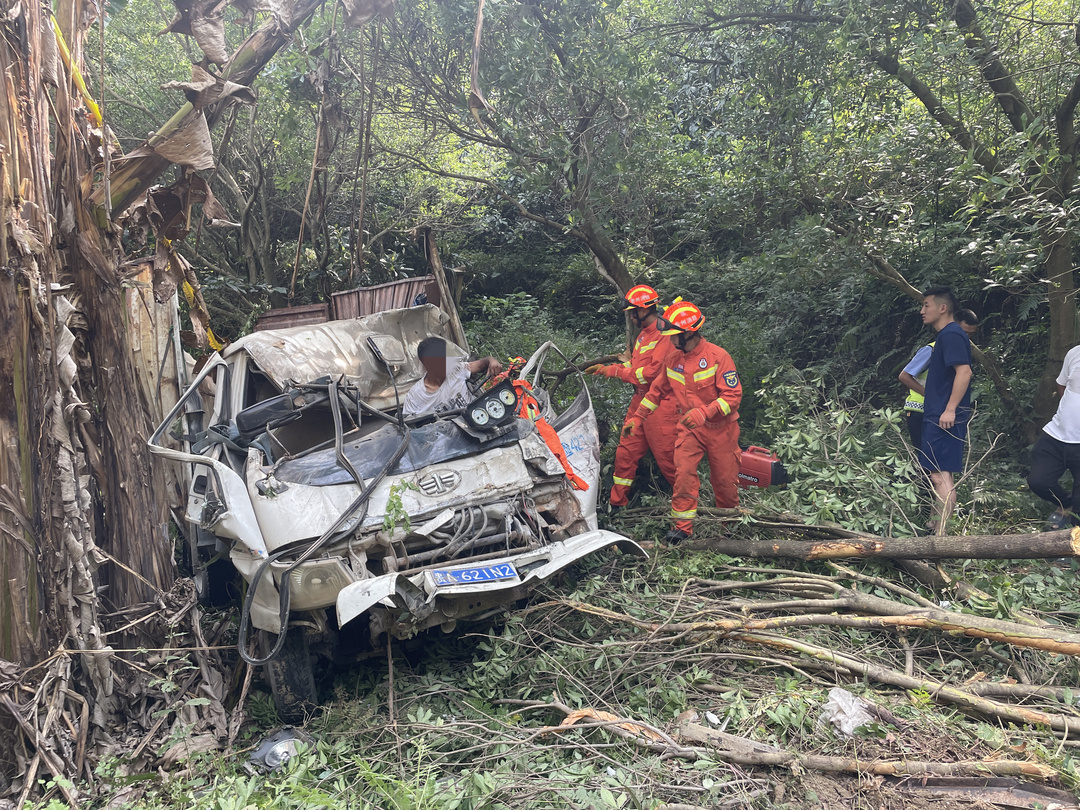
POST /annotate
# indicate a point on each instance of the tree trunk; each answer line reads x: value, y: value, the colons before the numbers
x: 605, y: 255
x: 1044, y: 545
x: 27, y: 379
x: 135, y: 515
x: 1062, y: 299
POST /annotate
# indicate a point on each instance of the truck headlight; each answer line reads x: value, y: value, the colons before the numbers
x: 315, y: 584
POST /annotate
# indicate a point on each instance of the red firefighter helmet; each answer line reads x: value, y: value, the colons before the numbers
x: 682, y: 316
x: 641, y: 296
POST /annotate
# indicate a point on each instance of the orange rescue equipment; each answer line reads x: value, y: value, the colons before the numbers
x: 530, y: 409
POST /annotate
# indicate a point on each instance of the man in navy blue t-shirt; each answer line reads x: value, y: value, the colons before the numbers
x: 947, y: 407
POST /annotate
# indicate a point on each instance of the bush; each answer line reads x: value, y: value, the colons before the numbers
x: 848, y: 464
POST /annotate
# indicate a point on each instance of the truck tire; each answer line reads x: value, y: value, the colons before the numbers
x: 291, y: 676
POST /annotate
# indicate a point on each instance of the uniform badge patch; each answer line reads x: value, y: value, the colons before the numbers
x: 731, y: 378
x: 703, y: 363
x: 679, y: 367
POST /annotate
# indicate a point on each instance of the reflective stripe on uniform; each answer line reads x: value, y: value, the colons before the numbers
x: 674, y: 375
x: 915, y: 400
x: 706, y: 374
x: 640, y: 374
x: 622, y: 482
x: 647, y: 347
x: 647, y: 403
x: 724, y: 407
x: 689, y: 514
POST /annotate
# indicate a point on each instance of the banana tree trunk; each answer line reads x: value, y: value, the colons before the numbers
x: 135, y: 174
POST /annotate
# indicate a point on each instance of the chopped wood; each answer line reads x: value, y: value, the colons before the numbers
x: 1041, y: 545
x: 1000, y: 791
x: 741, y: 751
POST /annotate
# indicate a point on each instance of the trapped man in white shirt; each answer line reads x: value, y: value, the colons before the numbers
x: 444, y: 384
x: 1058, y: 449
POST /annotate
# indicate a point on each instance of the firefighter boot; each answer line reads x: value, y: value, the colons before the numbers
x: 674, y: 537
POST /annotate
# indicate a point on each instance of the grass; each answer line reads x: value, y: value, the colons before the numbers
x: 444, y: 736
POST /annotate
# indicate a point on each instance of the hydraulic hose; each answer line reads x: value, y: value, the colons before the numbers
x: 284, y: 592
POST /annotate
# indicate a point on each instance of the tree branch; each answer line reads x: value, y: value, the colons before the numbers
x: 1000, y: 79
x: 522, y: 210
x: 957, y: 131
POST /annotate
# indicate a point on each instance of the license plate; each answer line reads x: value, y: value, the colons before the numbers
x: 467, y: 576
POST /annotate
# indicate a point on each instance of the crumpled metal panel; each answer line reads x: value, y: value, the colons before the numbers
x: 392, y: 295
x: 538, y: 565
x: 303, y: 512
x: 305, y: 353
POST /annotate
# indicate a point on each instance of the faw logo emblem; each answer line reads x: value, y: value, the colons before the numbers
x: 439, y: 482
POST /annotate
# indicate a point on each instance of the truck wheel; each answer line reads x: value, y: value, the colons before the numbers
x: 291, y: 676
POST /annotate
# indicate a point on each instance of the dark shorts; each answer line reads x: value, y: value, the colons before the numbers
x: 914, y: 427
x: 943, y: 450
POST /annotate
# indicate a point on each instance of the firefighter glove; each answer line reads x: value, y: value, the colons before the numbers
x: 624, y: 373
x: 694, y: 418
x: 598, y: 368
x: 632, y: 427
x: 714, y: 409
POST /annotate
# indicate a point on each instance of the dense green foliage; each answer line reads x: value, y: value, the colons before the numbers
x: 788, y: 169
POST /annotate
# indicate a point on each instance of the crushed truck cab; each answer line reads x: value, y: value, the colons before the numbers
x: 336, y: 510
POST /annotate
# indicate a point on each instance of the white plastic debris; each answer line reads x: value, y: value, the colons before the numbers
x: 846, y: 711
x: 712, y: 718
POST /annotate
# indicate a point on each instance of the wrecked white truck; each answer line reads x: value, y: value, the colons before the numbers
x: 342, y: 513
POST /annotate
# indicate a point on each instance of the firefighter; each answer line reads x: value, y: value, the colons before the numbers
x: 701, y: 379
x: 645, y: 363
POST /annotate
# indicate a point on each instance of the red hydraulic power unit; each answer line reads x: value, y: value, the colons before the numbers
x: 760, y: 468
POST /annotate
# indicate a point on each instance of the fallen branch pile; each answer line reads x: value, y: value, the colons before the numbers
x: 703, y: 612
x: 753, y: 648
x: 168, y: 679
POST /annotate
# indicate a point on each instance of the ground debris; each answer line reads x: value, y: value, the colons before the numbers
x: 1002, y: 792
x: 746, y: 752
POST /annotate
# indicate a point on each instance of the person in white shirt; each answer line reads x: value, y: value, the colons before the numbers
x: 1058, y: 449
x: 443, y: 386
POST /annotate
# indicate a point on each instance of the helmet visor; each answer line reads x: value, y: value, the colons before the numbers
x: 666, y: 327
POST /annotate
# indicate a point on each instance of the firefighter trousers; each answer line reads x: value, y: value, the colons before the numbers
x: 658, y: 436
x: 720, y: 442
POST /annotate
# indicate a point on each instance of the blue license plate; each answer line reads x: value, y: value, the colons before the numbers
x: 467, y: 576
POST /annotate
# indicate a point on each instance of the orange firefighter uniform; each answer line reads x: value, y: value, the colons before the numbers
x: 706, y: 390
x: 646, y: 363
